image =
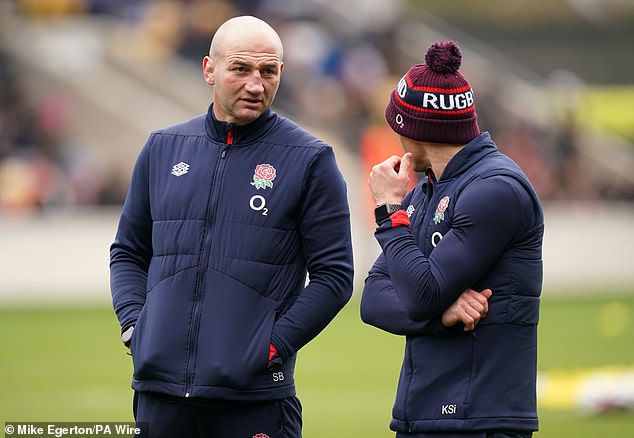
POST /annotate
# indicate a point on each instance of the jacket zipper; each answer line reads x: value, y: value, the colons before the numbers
x: 230, y: 136
x: 422, y: 214
x: 204, y: 262
x: 472, y: 373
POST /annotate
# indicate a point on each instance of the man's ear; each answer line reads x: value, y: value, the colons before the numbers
x: 208, y: 71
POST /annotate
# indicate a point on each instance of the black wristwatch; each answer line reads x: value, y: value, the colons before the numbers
x: 384, y: 211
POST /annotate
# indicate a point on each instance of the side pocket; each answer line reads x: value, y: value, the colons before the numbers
x: 138, y: 328
x: 235, y: 335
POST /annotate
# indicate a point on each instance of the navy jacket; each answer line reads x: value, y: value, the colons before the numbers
x: 479, y: 226
x: 219, y: 228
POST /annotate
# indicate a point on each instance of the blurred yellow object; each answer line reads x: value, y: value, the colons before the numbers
x: 609, y: 107
x: 18, y: 185
x: 613, y: 319
x: 51, y: 7
x: 591, y: 391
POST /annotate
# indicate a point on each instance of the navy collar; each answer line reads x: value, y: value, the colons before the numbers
x: 473, y: 152
x: 225, y: 132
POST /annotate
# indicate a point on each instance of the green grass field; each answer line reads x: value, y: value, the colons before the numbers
x: 68, y: 365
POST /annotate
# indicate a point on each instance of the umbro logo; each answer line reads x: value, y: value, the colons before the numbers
x: 180, y: 169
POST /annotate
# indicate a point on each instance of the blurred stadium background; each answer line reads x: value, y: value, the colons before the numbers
x: 83, y: 82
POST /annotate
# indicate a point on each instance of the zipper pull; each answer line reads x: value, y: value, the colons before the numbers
x: 223, y: 154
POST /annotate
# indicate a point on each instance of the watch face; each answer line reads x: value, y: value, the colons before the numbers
x: 384, y: 211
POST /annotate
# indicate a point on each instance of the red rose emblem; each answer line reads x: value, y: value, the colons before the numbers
x: 265, y: 172
x: 443, y: 204
x: 263, y: 176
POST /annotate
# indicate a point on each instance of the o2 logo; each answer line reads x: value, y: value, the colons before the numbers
x: 436, y: 238
x: 258, y: 203
x: 399, y: 121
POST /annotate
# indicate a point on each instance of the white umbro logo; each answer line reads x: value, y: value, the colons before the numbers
x: 180, y: 169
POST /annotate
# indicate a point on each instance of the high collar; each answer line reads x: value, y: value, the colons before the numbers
x: 239, y: 134
x: 473, y: 152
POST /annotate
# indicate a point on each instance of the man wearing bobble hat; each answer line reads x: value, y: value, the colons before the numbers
x: 460, y: 273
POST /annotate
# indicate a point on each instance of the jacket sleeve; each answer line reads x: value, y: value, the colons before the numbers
x: 324, y: 226
x: 382, y: 308
x: 487, y: 216
x: 131, y: 251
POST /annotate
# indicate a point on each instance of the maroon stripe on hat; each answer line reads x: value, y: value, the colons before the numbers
x: 411, y: 86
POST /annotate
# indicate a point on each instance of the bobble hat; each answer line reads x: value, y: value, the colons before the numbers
x: 433, y: 102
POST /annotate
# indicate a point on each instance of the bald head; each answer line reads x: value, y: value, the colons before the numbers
x: 244, y: 66
x: 245, y: 32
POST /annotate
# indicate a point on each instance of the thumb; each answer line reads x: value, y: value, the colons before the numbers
x: 406, y: 164
x: 487, y: 293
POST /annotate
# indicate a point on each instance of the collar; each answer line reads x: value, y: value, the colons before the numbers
x: 473, y: 152
x: 231, y: 133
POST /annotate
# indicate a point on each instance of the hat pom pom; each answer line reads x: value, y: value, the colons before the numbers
x: 444, y: 57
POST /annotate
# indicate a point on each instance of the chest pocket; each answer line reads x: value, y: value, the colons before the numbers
x: 438, y: 219
x: 439, y: 214
x: 431, y: 218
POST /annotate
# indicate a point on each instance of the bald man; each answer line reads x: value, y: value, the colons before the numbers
x: 225, y: 216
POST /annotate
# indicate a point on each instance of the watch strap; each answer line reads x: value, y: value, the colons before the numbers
x: 384, y: 211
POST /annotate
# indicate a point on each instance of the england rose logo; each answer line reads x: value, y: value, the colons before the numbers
x: 439, y: 216
x: 263, y: 176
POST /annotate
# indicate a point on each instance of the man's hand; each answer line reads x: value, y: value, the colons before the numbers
x: 469, y: 308
x: 389, y: 180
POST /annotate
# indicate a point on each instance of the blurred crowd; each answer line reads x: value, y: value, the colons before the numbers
x: 39, y: 164
x: 340, y: 68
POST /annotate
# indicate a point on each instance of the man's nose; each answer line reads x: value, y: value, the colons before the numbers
x: 254, y: 83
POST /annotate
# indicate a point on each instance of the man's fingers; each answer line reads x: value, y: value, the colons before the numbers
x: 388, y: 164
x: 469, y: 324
x: 469, y: 308
x: 487, y: 293
x: 393, y: 163
x: 479, y: 300
x: 406, y: 164
x: 474, y: 312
